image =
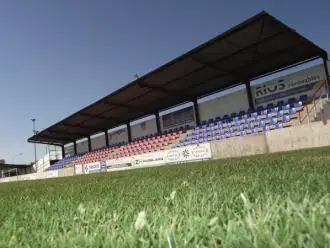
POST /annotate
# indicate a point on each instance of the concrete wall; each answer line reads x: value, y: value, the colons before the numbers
x: 66, y: 172
x: 298, y: 137
x: 239, y: 146
x: 224, y: 105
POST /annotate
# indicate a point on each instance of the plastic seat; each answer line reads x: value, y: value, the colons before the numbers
x: 303, y: 98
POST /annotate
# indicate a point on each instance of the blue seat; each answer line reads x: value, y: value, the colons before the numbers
x: 241, y: 113
x: 280, y: 113
x: 235, y: 119
x: 270, y: 106
x: 278, y: 125
x: 291, y: 100
x: 242, y: 133
x: 225, y: 117
x: 264, y: 112
x: 262, y: 123
x: 265, y: 128
x: 286, y: 107
x: 232, y: 115
x: 254, y: 130
x: 292, y: 111
x: 260, y: 108
x: 211, y: 120
x: 273, y: 121
x: 303, y: 98
x: 204, y: 123
x: 254, y: 114
x: 298, y: 104
x: 217, y: 119
x: 286, y: 118
x: 280, y: 103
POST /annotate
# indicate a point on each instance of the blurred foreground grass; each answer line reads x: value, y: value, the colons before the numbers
x: 279, y: 200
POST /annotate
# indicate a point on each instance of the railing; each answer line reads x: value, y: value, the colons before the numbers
x: 317, y: 104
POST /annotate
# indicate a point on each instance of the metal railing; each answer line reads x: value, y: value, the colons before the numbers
x: 316, y: 101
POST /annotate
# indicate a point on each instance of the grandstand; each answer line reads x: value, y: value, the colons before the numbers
x: 258, y: 47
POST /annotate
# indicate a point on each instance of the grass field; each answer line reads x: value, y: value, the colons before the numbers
x: 280, y: 200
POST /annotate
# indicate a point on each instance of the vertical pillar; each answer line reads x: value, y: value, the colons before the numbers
x: 89, y: 144
x: 249, y: 95
x: 326, y: 71
x: 158, y: 122
x: 129, y: 134
x: 63, y: 152
x: 196, y: 107
x: 75, y: 147
x: 106, y: 138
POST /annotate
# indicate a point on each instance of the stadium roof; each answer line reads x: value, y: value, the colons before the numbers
x: 258, y: 46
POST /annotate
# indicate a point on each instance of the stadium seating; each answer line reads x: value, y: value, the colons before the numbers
x: 62, y: 163
x: 145, y: 144
x: 244, y: 123
x: 230, y: 125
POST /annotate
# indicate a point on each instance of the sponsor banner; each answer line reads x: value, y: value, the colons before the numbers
x: 78, y: 169
x: 92, y: 167
x: 179, y: 118
x: 51, y: 174
x: 119, y: 162
x: 152, y: 158
x: 103, y: 166
x: 293, y: 85
x: 189, y: 153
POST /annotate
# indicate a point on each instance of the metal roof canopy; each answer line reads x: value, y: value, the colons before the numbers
x: 258, y: 46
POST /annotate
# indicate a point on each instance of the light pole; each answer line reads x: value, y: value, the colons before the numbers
x: 35, y: 145
x: 12, y: 160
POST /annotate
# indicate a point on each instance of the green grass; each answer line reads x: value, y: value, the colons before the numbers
x: 279, y: 200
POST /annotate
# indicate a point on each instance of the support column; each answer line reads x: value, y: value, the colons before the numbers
x: 158, y: 122
x: 196, y: 107
x: 326, y: 71
x: 249, y: 95
x: 106, y: 138
x: 75, y: 147
x: 89, y: 144
x: 63, y: 152
x: 129, y: 134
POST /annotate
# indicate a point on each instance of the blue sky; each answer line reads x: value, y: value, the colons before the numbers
x: 61, y: 55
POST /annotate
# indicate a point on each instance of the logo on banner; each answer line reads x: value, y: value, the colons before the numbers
x: 173, y: 155
x: 185, y: 153
x: 103, y: 166
x: 199, y: 151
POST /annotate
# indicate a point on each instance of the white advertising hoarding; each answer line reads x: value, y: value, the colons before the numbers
x: 52, y: 173
x: 304, y: 82
x: 189, y: 153
x: 92, y: 167
x: 152, y: 158
x: 78, y: 169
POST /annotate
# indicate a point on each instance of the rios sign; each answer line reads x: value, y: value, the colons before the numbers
x: 189, y: 153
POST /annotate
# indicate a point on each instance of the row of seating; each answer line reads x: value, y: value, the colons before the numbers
x: 241, y: 124
x: 151, y: 143
x: 259, y: 121
x: 62, y: 163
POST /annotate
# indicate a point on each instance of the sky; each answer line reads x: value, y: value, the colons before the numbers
x: 58, y: 56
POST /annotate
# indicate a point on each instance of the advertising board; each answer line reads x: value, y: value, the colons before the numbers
x: 92, y: 167
x: 189, y: 153
x: 304, y: 82
x: 152, y: 158
x: 78, y: 169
